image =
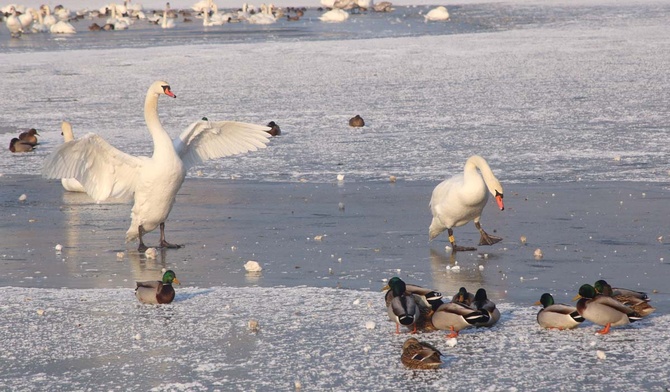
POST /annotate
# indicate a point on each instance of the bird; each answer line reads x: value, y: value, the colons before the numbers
x: 106, y: 172
x: 335, y: 15
x: 603, y: 310
x: 483, y: 304
x: 356, y: 121
x: 461, y: 199
x: 69, y: 184
x: 558, y: 316
x: 420, y: 355
x: 463, y: 296
x: 401, y: 306
x: 427, y: 299
x: 157, y: 291
x: 62, y: 27
x: 167, y: 22
x: 437, y: 14
x: 274, y: 129
x: 636, y: 300
x: 29, y: 136
x: 13, y: 23
x: 18, y: 145
x: 455, y: 316
x: 383, y: 6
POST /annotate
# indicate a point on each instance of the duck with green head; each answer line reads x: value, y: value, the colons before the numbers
x: 636, y: 300
x: 401, y: 306
x: 603, y: 310
x: 558, y: 316
x: 158, y: 291
x: 484, y: 304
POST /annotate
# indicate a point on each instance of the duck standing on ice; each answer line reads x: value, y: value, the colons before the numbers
x: 153, y: 182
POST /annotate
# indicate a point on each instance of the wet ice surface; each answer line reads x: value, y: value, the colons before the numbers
x: 104, y: 340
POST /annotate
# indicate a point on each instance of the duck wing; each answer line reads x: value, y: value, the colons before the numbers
x: 204, y: 140
x: 103, y: 170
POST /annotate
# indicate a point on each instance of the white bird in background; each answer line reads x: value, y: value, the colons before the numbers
x: 105, y: 172
x: 167, y: 22
x: 263, y: 17
x: 437, y: 14
x: 62, y: 27
x: 334, y: 16
x: 27, y: 18
x: 13, y: 23
x: 49, y: 20
x: 461, y: 198
x: 69, y: 184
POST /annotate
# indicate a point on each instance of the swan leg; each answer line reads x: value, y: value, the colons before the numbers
x: 141, y: 247
x: 165, y: 244
x: 486, y: 239
x: 456, y: 248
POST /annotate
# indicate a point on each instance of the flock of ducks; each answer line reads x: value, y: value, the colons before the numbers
x: 26, y: 142
x: 116, y: 16
x: 424, y: 310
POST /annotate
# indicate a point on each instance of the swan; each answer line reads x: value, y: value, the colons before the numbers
x: 167, y: 23
x: 49, y: 20
x: 27, y: 19
x: 62, y: 27
x: 461, y: 198
x: 13, y: 23
x: 437, y: 14
x: 69, y: 184
x: 334, y: 16
x: 263, y: 17
x: 106, y: 172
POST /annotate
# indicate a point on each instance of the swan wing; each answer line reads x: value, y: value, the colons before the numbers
x: 205, y: 140
x: 104, y: 171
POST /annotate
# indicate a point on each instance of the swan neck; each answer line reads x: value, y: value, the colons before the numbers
x: 476, y: 162
x: 161, y: 139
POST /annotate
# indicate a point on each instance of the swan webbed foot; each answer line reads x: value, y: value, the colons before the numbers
x: 165, y: 244
x: 487, y: 239
x: 142, y: 248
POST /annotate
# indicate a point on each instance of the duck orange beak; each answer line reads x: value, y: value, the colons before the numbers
x: 537, y: 303
x: 387, y: 287
x: 175, y: 280
x: 577, y: 297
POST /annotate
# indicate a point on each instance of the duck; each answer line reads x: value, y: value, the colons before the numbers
x: 482, y: 303
x: 69, y: 184
x: 557, y: 316
x: 29, y: 136
x: 157, y: 291
x: 106, y: 172
x: 463, y: 296
x: 274, y: 129
x: 420, y: 355
x: 455, y: 316
x: 437, y: 14
x: 461, y: 199
x: 636, y: 300
x: 18, y: 145
x: 356, y: 121
x: 401, y: 306
x: 428, y: 301
x: 603, y: 310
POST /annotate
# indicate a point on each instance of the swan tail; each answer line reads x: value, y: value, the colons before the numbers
x: 435, y: 229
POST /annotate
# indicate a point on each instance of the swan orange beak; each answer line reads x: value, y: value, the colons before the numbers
x: 499, y: 200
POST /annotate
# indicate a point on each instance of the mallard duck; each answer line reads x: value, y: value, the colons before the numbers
x: 463, y: 297
x: 356, y: 121
x: 483, y: 304
x: 455, y: 316
x: 559, y: 316
x: 29, y: 136
x: 420, y: 355
x: 157, y: 292
x: 603, y: 310
x: 274, y: 129
x: 18, y: 145
x: 636, y: 300
x: 401, y: 306
x: 427, y: 299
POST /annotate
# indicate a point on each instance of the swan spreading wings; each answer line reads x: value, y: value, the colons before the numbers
x: 105, y: 172
x: 461, y: 199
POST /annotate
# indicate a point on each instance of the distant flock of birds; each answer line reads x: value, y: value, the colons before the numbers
x: 21, y: 20
x: 425, y: 310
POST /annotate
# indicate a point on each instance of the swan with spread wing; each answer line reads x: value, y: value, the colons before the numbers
x: 153, y: 182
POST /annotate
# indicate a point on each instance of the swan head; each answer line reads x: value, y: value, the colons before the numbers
x: 499, y: 200
x: 161, y: 87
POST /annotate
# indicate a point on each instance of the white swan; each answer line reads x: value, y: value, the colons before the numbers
x: 13, y: 23
x: 437, y: 14
x: 69, y: 184
x: 167, y: 22
x: 62, y: 27
x: 334, y: 16
x: 263, y: 17
x: 461, y: 198
x: 106, y: 172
